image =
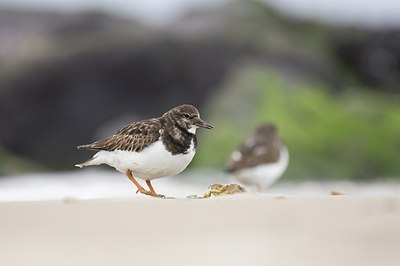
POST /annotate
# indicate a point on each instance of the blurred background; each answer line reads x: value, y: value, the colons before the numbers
x: 327, y: 74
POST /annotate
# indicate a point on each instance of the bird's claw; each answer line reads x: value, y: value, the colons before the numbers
x: 149, y: 193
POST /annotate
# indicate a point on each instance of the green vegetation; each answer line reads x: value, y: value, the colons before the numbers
x: 354, y: 134
x: 11, y: 164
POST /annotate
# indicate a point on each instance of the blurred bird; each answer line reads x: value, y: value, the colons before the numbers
x: 152, y: 148
x: 260, y: 160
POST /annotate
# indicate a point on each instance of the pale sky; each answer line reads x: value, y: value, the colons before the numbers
x: 157, y: 12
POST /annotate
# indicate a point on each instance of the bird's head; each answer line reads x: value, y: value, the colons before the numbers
x: 186, y: 117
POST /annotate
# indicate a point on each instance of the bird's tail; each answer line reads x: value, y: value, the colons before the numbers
x: 85, y: 147
x: 84, y: 164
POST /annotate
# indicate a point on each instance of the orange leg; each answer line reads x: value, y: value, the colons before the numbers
x: 150, y: 186
x: 140, y: 188
x: 152, y: 190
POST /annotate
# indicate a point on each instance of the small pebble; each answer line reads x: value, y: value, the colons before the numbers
x: 336, y: 193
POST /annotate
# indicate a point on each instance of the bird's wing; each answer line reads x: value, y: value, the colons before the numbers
x: 133, y: 137
x: 255, y: 152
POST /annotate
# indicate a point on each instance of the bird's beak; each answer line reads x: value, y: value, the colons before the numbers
x: 203, y: 124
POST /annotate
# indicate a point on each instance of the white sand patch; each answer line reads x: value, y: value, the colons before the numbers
x: 240, y: 230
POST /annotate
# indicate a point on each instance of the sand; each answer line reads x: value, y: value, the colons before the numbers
x: 233, y: 230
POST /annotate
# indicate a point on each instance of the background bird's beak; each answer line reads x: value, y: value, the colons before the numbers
x: 203, y: 124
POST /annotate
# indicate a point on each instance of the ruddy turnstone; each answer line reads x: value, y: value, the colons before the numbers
x: 261, y: 159
x: 152, y: 148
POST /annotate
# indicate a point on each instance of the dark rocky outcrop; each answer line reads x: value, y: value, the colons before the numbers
x: 373, y: 57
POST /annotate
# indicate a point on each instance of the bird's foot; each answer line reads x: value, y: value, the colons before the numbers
x: 149, y: 193
x: 158, y: 196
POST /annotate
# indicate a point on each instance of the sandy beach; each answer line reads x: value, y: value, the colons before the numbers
x: 232, y: 230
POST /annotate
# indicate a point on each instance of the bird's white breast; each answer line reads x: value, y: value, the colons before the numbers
x: 153, y: 162
x: 264, y: 175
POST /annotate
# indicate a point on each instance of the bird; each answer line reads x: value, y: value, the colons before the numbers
x: 152, y: 148
x: 260, y: 159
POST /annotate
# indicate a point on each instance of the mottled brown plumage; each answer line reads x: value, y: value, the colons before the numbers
x: 172, y: 126
x: 262, y: 147
x: 133, y: 137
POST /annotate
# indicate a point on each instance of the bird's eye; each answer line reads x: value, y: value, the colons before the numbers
x: 186, y: 115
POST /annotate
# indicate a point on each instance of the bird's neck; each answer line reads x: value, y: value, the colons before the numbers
x: 176, y: 139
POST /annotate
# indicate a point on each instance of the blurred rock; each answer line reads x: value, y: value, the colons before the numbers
x: 373, y: 57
